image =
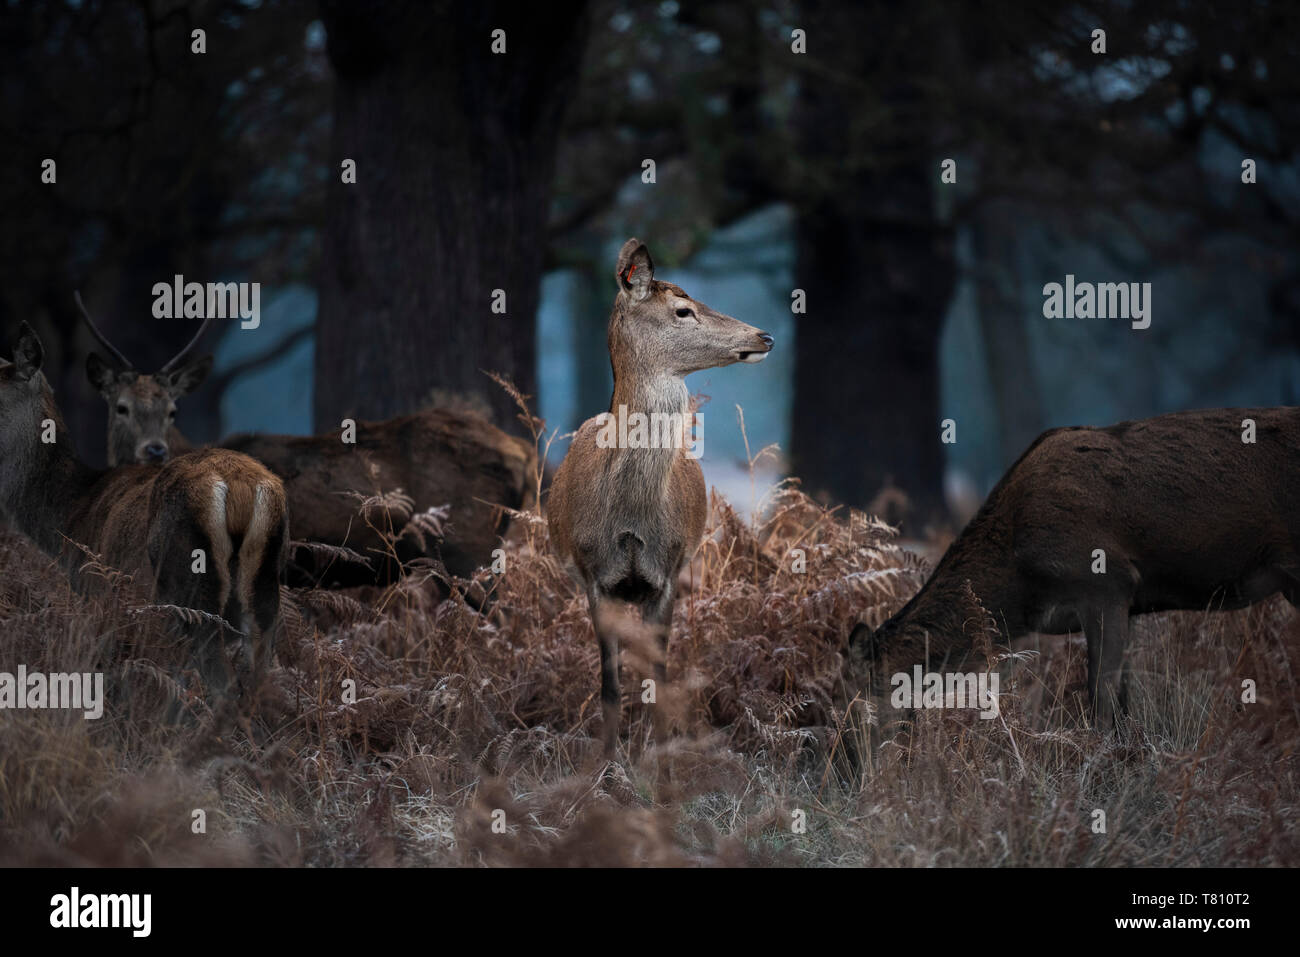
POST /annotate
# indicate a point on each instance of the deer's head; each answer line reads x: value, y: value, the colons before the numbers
x: 656, y: 328
x: 142, y: 408
x: 25, y: 403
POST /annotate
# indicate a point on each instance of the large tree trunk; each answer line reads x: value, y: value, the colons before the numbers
x: 866, y: 384
x: 878, y: 269
x: 454, y: 148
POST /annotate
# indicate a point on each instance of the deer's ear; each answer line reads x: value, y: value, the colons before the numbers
x: 189, y: 376
x: 636, y: 270
x: 28, y: 353
x: 101, y: 375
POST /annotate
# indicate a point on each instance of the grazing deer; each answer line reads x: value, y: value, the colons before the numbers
x: 630, y: 518
x: 437, y: 457
x: 1194, y: 510
x: 148, y: 521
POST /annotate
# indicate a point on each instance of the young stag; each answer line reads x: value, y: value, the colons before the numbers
x: 148, y: 521
x: 142, y: 408
x: 1193, y: 510
x: 436, y: 456
x: 629, y: 518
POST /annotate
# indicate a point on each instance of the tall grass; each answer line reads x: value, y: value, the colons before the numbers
x: 474, y: 734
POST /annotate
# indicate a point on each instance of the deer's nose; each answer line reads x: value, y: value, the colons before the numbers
x: 767, y: 340
x: 155, y: 451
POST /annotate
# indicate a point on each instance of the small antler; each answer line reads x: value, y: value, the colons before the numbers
x: 99, y: 336
x: 176, y: 359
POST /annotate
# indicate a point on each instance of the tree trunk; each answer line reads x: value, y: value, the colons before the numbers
x: 878, y: 268
x: 454, y: 148
x: 866, y: 382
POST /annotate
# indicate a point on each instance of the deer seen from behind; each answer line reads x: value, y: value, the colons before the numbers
x: 627, y: 515
x: 206, y: 531
x: 436, y: 457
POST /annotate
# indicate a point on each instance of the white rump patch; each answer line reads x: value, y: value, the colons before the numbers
x: 219, y: 539
x: 219, y: 492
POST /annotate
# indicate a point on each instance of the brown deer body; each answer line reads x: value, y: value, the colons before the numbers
x: 630, y: 518
x: 148, y: 521
x: 437, y: 456
x: 1186, y: 514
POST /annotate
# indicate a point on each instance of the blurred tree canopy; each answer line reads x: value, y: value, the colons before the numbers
x: 478, y: 171
x: 167, y: 162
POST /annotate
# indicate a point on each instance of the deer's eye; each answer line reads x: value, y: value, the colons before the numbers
x: 684, y: 313
x: 122, y: 409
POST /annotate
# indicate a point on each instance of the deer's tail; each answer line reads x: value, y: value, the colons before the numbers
x: 241, y: 508
x: 252, y: 534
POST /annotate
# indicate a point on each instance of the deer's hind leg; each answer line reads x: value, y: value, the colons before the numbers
x: 265, y: 605
x: 257, y: 584
x: 191, y: 571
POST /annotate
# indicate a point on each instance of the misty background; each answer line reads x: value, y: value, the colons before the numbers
x: 775, y: 170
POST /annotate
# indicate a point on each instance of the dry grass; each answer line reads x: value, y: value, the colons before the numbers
x: 473, y: 738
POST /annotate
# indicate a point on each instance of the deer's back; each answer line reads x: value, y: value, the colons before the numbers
x: 114, y: 523
x: 1184, y: 510
x: 438, y: 457
x: 1171, y: 482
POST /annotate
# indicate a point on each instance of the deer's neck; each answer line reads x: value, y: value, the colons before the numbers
x: 648, y: 469
x: 42, y: 488
x: 663, y: 393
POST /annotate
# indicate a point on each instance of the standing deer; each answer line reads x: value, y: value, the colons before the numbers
x: 148, y: 521
x: 437, y: 456
x: 629, y: 518
x: 1193, y: 510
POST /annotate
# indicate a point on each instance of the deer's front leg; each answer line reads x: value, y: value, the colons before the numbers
x: 610, y: 687
x: 1105, y: 627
